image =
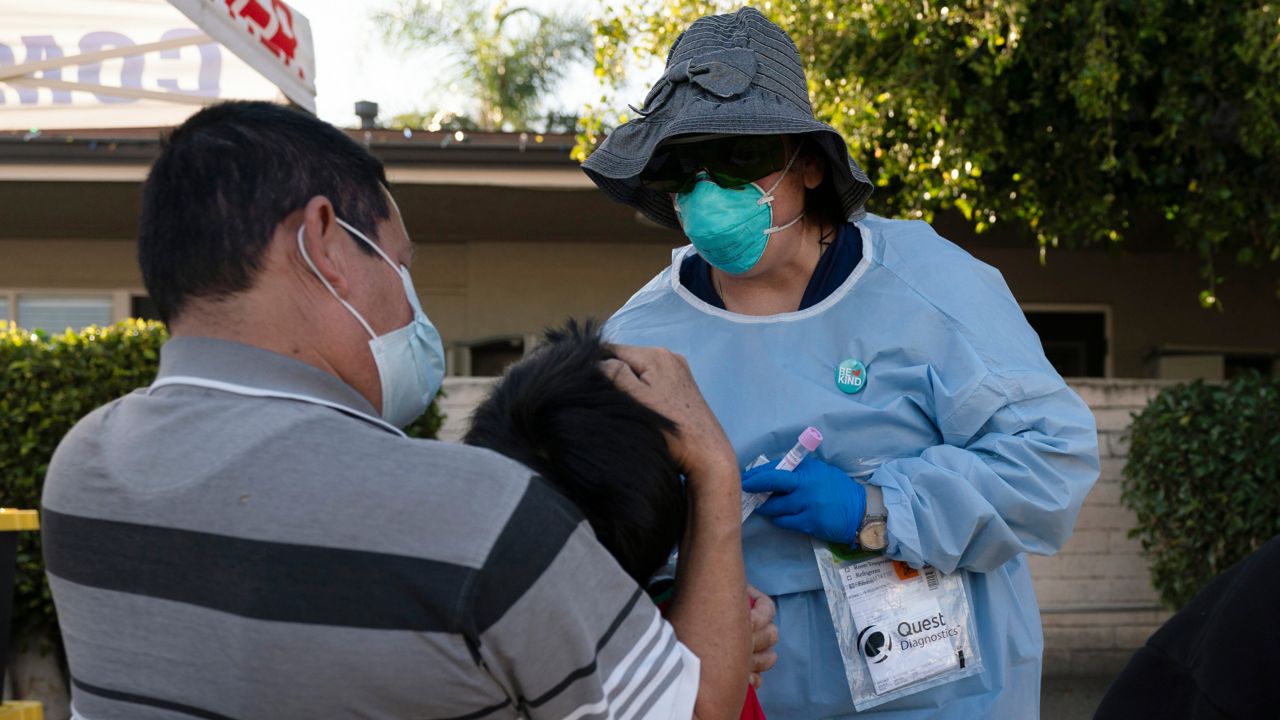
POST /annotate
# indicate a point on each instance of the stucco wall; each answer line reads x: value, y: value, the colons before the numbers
x: 69, y: 264
x: 472, y: 291
x: 1153, y: 299
x: 1096, y: 600
x: 481, y: 290
x: 486, y: 288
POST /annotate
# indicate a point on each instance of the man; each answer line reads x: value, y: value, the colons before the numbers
x: 252, y: 536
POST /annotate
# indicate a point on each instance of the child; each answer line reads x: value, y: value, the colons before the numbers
x: 556, y: 412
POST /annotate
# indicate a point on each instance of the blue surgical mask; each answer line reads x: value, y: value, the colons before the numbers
x: 730, y: 227
x: 410, y: 360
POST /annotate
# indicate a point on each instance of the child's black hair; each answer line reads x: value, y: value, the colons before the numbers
x: 558, y: 413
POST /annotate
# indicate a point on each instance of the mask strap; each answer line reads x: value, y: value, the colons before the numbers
x: 305, y: 256
x: 768, y: 194
x: 400, y: 270
x: 368, y: 242
x: 768, y: 197
x: 780, y: 228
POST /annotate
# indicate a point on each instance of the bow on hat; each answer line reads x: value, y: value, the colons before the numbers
x: 724, y: 73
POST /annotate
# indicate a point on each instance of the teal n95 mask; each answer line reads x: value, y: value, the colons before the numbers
x: 730, y: 227
x: 410, y: 359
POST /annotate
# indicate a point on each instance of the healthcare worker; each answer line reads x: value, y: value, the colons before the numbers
x: 795, y: 307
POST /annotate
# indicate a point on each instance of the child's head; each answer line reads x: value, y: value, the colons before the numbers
x: 559, y: 414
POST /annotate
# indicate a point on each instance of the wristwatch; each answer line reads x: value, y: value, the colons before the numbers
x: 873, y: 532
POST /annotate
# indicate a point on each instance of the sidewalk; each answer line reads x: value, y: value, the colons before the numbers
x: 1071, y: 698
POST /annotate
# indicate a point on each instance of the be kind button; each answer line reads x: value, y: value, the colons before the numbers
x: 851, y: 376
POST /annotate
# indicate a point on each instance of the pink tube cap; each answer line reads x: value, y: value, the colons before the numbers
x: 811, y: 438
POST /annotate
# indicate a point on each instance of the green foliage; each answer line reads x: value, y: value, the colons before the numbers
x: 434, y: 121
x: 1203, y: 477
x: 428, y: 423
x: 507, y: 59
x: 553, y: 121
x: 47, y: 384
x: 1076, y: 120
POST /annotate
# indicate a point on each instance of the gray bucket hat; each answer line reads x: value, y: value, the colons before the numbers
x: 735, y: 74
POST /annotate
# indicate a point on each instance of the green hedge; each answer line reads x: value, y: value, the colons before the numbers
x: 48, y: 383
x: 1202, y: 477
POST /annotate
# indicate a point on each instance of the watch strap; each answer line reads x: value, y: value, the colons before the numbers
x: 875, y: 502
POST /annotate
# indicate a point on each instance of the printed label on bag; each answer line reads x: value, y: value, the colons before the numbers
x: 903, y: 633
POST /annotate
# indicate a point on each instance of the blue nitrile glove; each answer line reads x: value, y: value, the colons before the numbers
x: 815, y: 498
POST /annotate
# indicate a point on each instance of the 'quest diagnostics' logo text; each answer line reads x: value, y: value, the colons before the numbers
x: 923, y: 632
x: 877, y: 645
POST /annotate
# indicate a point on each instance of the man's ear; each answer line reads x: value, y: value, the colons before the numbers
x: 326, y: 243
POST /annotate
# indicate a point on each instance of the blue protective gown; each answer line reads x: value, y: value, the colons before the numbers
x: 990, y: 454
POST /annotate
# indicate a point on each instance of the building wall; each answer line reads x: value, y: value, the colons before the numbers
x: 489, y: 289
x: 520, y: 287
x: 1096, y: 601
x: 1153, y: 299
x: 472, y: 291
x: 496, y: 286
x: 69, y: 264
x: 484, y: 289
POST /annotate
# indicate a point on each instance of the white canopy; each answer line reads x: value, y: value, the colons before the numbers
x: 146, y: 63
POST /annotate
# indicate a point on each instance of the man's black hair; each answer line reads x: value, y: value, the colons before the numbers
x: 226, y: 178
x: 558, y: 413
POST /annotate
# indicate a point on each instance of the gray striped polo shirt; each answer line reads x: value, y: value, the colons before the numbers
x: 218, y: 555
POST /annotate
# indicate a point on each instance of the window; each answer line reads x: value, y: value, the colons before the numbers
x: 1208, y: 363
x: 1234, y: 364
x: 142, y: 308
x: 56, y: 313
x: 56, y: 309
x: 1074, y: 340
x: 491, y: 357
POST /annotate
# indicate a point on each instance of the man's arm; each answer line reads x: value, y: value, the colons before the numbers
x: 563, y: 631
x: 710, y: 608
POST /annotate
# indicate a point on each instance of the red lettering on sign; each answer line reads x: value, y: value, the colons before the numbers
x: 271, y: 21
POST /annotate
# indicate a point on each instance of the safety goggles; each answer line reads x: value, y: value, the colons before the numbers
x: 730, y: 162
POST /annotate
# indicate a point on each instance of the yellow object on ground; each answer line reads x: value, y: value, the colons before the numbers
x: 16, y: 520
x: 22, y: 709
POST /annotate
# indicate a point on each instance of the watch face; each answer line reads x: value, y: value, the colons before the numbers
x: 874, y: 535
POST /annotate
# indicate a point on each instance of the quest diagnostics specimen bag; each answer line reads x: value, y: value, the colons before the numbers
x: 900, y: 630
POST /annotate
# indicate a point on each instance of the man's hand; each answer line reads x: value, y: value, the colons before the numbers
x: 662, y: 381
x: 764, y: 634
